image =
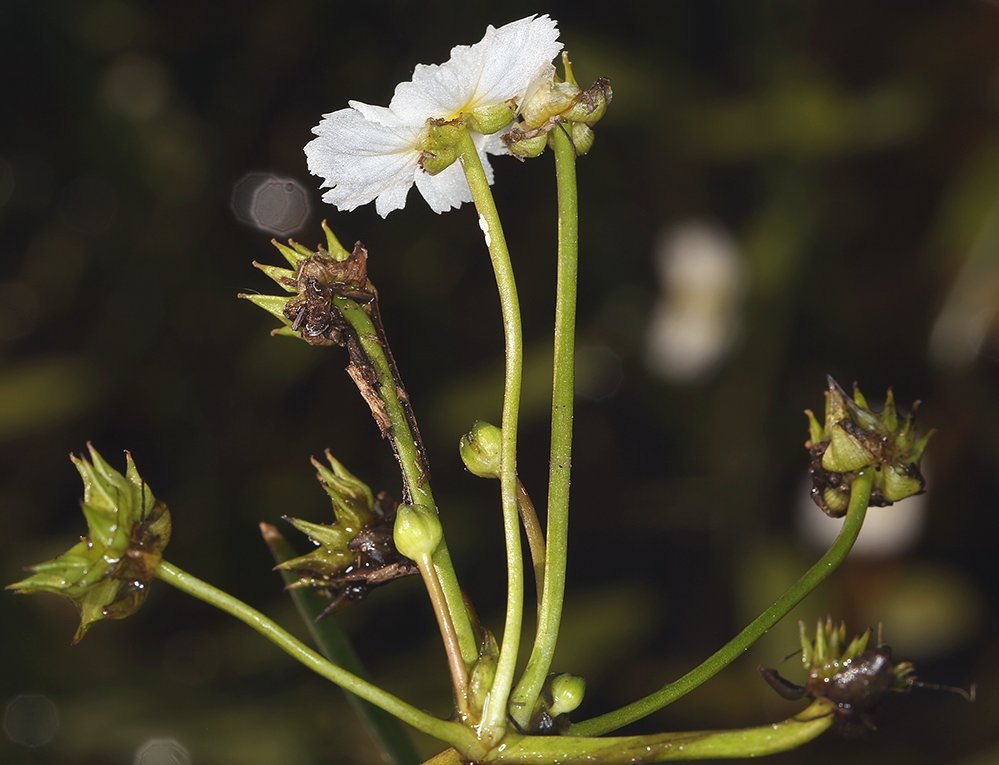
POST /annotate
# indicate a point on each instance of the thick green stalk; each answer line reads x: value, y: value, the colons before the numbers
x: 388, y: 734
x: 453, y: 733
x: 860, y: 495
x: 680, y: 746
x: 494, y: 714
x: 550, y: 613
x: 671, y: 747
x: 412, y: 464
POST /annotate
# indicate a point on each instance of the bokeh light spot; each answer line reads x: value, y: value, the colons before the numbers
x: 270, y: 203
x: 31, y: 719
x: 162, y: 751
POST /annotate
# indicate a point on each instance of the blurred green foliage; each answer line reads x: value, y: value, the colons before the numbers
x: 850, y: 149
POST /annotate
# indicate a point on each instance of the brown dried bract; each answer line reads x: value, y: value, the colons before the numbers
x: 319, y: 278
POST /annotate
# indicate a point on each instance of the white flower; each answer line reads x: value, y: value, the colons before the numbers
x: 366, y: 153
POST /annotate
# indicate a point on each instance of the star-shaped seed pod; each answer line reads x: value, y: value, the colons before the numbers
x: 355, y: 553
x: 851, y: 676
x: 107, y: 573
x: 852, y: 439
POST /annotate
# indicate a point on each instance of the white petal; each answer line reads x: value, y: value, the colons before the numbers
x: 512, y: 57
x: 502, y: 66
x: 361, y: 160
x: 490, y: 144
x: 434, y: 92
x: 446, y: 190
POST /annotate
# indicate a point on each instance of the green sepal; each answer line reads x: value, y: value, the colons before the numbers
x: 353, y: 501
x: 273, y: 304
x: 293, y: 254
x: 283, y: 277
x: 334, y: 249
x: 439, y: 149
x: 491, y: 118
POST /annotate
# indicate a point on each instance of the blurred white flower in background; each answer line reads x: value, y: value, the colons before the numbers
x: 970, y: 314
x: 696, y: 320
x: 366, y: 153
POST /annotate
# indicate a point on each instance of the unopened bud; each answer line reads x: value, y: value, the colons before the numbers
x: 417, y: 531
x: 567, y: 694
x: 481, y: 449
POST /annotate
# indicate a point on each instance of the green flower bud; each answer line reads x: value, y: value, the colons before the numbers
x: 108, y: 572
x: 481, y: 449
x: 567, y: 694
x: 853, y: 438
x: 417, y: 531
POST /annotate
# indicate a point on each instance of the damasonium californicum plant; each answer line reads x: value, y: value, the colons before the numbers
x: 500, y: 95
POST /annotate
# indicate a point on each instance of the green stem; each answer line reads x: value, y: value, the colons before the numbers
x: 535, y: 538
x: 459, y: 672
x: 453, y: 733
x: 412, y: 464
x: 386, y: 731
x: 539, y: 664
x: 494, y: 714
x: 672, y: 747
x: 859, y: 497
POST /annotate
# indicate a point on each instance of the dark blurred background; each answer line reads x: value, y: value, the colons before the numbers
x: 780, y: 190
